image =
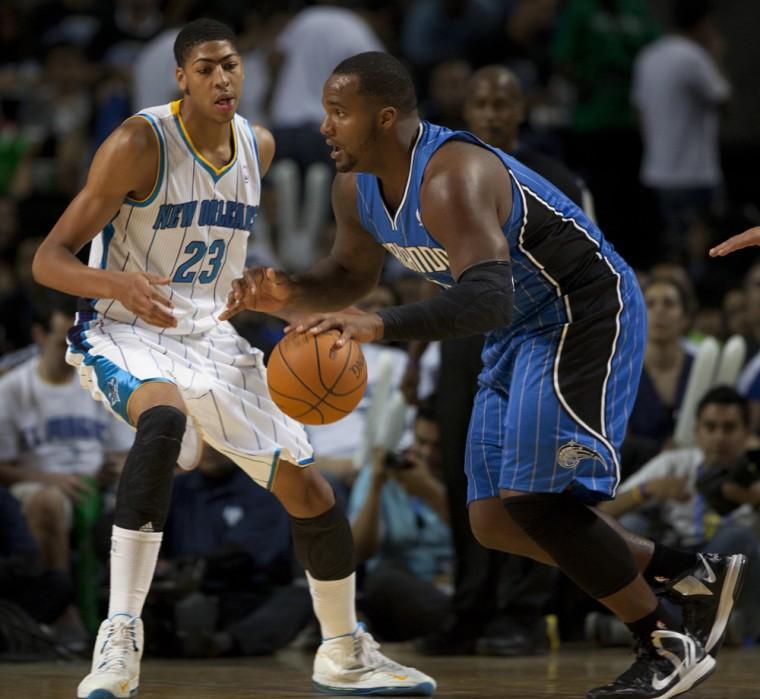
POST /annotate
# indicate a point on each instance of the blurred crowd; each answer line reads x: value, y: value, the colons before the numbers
x: 618, y: 103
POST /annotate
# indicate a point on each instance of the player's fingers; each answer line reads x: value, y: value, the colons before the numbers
x: 345, y: 336
x: 231, y: 310
x: 737, y: 242
x: 239, y: 287
x: 155, y: 279
x: 323, y: 326
x: 308, y: 324
x: 158, y: 297
x: 158, y: 316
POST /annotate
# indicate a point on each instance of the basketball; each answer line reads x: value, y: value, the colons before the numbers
x: 310, y: 383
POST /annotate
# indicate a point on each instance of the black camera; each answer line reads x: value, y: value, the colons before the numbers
x: 710, y: 483
x: 397, y: 462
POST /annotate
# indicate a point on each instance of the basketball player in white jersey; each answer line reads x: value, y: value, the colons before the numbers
x: 169, y: 203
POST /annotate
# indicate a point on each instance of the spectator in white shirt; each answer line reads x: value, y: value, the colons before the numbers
x: 704, y: 498
x: 678, y: 88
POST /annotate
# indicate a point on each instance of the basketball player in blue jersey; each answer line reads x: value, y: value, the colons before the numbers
x: 169, y: 204
x: 565, y: 328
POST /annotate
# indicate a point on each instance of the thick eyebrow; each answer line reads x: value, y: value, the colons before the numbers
x: 221, y: 60
x: 333, y: 102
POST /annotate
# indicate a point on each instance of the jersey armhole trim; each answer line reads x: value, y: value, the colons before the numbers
x: 255, y: 145
x: 161, y: 168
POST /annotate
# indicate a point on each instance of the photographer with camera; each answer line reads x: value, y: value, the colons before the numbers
x: 704, y: 498
x: 399, y: 512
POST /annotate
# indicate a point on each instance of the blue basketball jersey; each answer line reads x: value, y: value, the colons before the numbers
x: 556, y: 250
x: 558, y: 383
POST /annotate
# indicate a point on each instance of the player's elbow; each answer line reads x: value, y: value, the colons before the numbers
x: 40, y: 265
x: 491, y: 310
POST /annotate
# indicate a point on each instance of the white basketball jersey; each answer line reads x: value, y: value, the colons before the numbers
x: 193, y: 227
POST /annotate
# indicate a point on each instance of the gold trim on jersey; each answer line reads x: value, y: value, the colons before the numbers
x: 218, y: 172
x: 159, y: 163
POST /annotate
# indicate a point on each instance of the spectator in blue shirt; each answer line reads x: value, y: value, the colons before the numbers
x: 399, y: 517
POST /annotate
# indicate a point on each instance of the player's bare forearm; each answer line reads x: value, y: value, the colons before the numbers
x: 59, y: 268
x: 328, y: 286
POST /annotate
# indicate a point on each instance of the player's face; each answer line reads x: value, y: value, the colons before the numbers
x: 349, y: 125
x: 212, y: 77
x: 493, y: 111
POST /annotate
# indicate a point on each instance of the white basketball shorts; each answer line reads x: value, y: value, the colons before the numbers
x: 221, y: 378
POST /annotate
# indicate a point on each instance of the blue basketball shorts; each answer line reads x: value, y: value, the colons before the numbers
x: 551, y: 412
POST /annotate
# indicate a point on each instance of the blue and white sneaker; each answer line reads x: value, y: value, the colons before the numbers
x: 353, y: 665
x: 115, y: 672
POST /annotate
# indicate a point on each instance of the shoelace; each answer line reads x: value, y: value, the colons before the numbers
x: 120, y: 640
x: 645, y: 653
x: 368, y: 649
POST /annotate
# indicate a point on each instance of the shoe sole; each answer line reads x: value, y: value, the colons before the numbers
x: 698, y: 674
x: 105, y: 694
x: 423, y: 689
x: 731, y: 590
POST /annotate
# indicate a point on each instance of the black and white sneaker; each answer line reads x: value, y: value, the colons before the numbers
x: 667, y: 664
x: 707, y: 594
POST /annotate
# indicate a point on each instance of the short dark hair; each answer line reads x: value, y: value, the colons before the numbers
x: 382, y: 77
x: 426, y: 410
x: 724, y: 395
x: 198, y: 32
x: 50, y: 303
x: 686, y: 14
x: 683, y: 295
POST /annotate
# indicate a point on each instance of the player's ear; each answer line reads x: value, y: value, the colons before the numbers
x: 179, y: 73
x: 387, y: 117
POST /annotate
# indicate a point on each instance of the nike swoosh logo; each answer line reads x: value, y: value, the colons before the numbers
x: 659, y: 683
x: 124, y: 686
x: 400, y: 678
x: 710, y: 578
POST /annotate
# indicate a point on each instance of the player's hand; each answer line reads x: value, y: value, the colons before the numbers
x: 747, y: 239
x: 137, y: 292
x: 352, y: 324
x: 263, y: 289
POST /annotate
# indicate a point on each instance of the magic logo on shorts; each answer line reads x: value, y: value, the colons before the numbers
x: 113, y: 391
x: 571, y: 454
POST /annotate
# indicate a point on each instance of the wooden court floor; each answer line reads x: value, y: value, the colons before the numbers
x: 568, y: 673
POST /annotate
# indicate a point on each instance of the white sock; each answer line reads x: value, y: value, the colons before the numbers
x: 133, y: 562
x: 334, y: 604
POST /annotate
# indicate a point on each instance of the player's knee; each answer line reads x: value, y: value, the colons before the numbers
x: 532, y: 512
x: 145, y: 485
x: 303, y: 492
x: 324, y: 545
x: 486, y: 526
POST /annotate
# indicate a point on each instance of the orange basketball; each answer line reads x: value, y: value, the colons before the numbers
x: 312, y: 384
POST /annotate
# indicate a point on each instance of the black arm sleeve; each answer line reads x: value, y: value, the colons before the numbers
x: 480, y: 301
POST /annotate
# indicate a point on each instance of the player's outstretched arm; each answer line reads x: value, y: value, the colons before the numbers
x: 749, y: 238
x: 348, y: 273
x: 125, y: 165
